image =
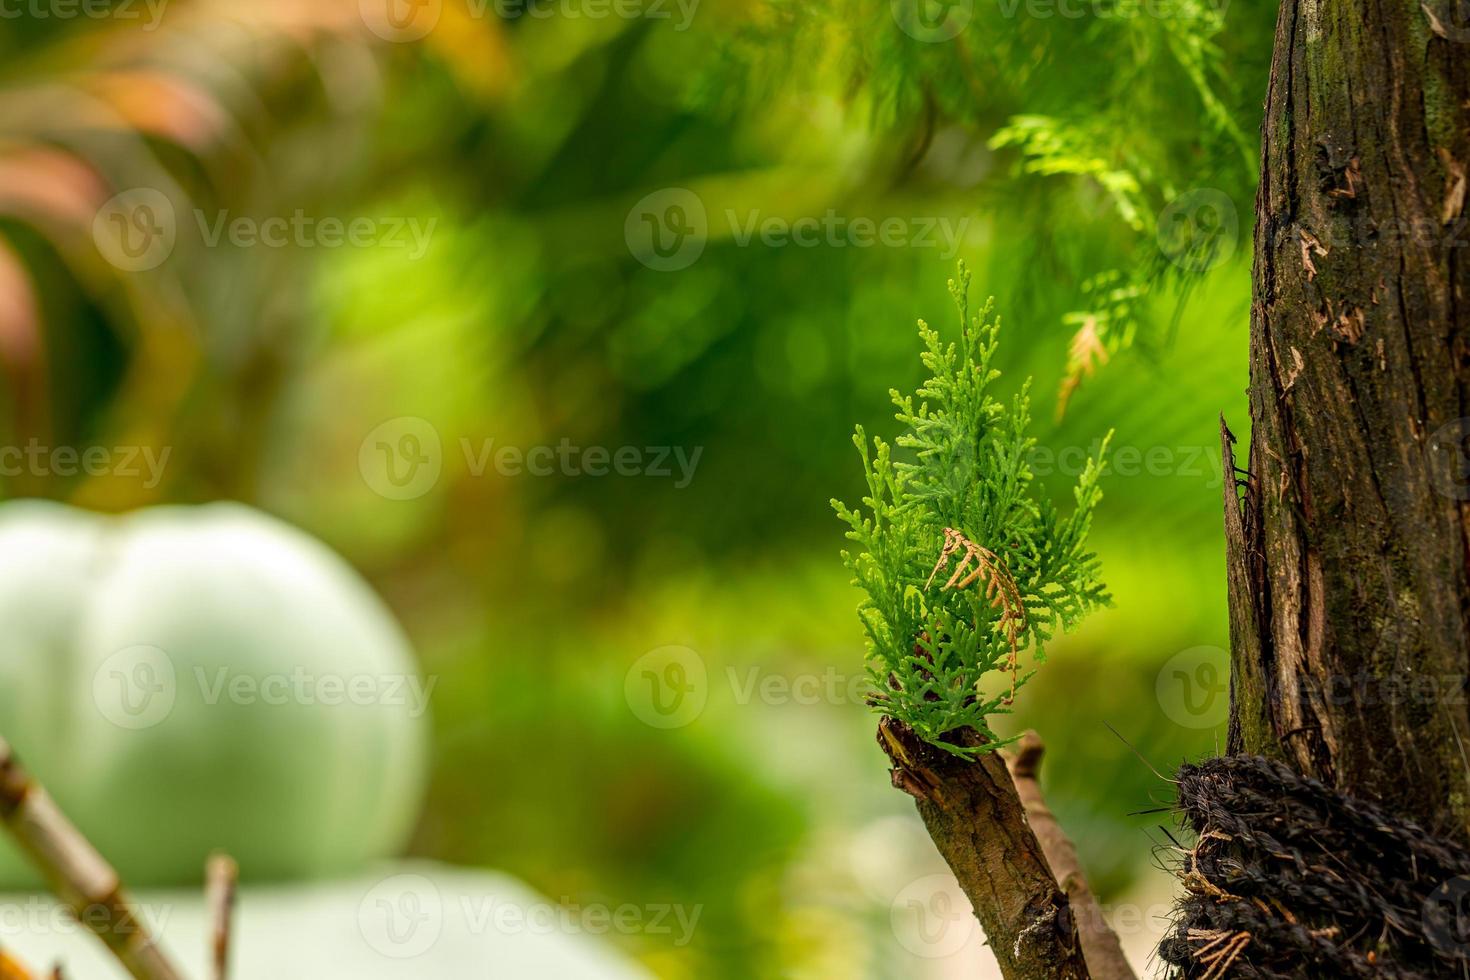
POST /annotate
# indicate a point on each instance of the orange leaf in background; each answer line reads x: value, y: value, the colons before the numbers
x: 476, y: 51
x: 49, y: 187
x: 1084, y: 356
x: 20, y: 328
x: 22, y: 350
x: 162, y: 104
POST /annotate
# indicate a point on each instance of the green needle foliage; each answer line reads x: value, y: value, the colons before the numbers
x: 964, y: 565
x: 1104, y: 115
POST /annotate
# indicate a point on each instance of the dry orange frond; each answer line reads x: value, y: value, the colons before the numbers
x: 999, y: 588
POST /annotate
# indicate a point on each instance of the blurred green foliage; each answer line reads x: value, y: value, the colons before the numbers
x: 1056, y: 142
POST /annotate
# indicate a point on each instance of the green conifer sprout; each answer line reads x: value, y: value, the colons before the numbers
x: 964, y: 565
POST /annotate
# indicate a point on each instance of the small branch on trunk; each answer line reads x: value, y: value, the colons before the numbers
x: 977, y: 821
x: 1100, y: 946
x: 78, y: 875
x: 221, y: 875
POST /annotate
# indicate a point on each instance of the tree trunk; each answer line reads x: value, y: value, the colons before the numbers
x: 1348, y: 553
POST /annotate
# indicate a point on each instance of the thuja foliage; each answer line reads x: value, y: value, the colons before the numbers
x: 966, y: 566
x: 1103, y: 120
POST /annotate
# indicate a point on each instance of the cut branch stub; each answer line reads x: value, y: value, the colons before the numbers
x: 979, y: 825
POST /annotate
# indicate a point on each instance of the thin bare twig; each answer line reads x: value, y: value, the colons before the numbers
x: 221, y: 875
x: 78, y: 875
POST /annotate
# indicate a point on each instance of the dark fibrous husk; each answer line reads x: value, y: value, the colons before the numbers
x: 1288, y: 878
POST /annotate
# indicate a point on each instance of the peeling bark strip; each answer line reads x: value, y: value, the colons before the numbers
x: 979, y: 824
x: 76, y: 872
x: 1348, y: 553
x: 1100, y: 946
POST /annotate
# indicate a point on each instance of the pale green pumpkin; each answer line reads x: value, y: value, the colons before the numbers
x: 185, y: 679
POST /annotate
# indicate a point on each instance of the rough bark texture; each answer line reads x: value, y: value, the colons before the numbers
x: 1100, y: 946
x: 976, y: 819
x: 1347, y: 554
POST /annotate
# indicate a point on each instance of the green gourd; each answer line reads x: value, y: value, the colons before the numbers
x: 185, y: 679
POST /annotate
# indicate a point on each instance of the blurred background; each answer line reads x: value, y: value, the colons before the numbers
x: 554, y: 317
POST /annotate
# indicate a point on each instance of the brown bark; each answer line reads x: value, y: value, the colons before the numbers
x: 978, y: 822
x: 1100, y: 946
x: 1347, y: 553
